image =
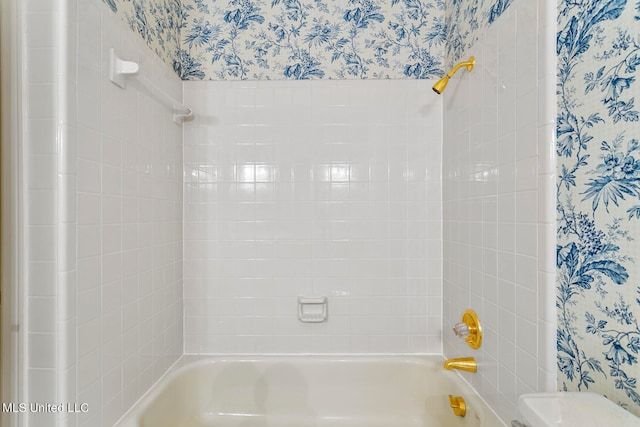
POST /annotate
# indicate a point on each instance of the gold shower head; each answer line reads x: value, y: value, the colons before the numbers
x: 442, y: 83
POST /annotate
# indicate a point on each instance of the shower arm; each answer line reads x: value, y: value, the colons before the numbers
x: 469, y: 64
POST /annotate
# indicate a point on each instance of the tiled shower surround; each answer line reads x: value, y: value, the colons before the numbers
x: 290, y: 188
x: 319, y: 188
x: 498, y: 171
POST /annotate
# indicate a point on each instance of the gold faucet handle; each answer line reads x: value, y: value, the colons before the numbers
x: 458, y: 405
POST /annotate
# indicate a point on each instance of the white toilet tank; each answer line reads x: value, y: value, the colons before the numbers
x: 573, y: 409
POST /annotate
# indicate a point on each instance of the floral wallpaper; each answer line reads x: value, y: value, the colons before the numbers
x: 308, y: 39
x: 598, y: 198
x: 158, y: 22
x: 312, y: 39
x: 465, y: 22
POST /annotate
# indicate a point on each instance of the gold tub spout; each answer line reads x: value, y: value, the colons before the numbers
x: 463, y: 363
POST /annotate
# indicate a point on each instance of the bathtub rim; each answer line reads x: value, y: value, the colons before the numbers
x: 188, y: 361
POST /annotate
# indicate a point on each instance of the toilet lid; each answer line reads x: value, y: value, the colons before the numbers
x: 573, y: 409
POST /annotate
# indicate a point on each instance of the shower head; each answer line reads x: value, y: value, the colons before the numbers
x: 442, y: 83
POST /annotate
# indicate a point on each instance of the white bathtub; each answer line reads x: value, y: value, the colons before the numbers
x: 307, y: 391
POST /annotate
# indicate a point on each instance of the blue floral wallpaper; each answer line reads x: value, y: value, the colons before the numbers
x: 465, y: 21
x: 598, y: 198
x: 158, y: 22
x: 310, y: 39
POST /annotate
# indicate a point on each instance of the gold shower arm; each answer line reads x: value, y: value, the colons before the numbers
x: 469, y: 64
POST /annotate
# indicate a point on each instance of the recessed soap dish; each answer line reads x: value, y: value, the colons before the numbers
x: 312, y: 309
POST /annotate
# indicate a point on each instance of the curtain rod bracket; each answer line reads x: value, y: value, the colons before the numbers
x: 120, y: 70
x: 181, y: 113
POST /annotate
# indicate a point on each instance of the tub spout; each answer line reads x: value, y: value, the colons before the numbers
x: 464, y: 364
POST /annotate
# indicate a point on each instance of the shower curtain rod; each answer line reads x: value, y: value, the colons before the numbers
x: 120, y: 70
x: 176, y: 106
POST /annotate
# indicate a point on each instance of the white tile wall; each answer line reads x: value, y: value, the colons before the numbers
x: 313, y: 188
x: 498, y: 192
x: 103, y: 204
x: 39, y: 195
x: 129, y: 222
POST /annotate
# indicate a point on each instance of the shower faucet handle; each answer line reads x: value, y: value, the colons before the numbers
x: 461, y: 330
x: 469, y: 329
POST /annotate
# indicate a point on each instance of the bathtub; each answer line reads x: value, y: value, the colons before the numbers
x: 307, y: 391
